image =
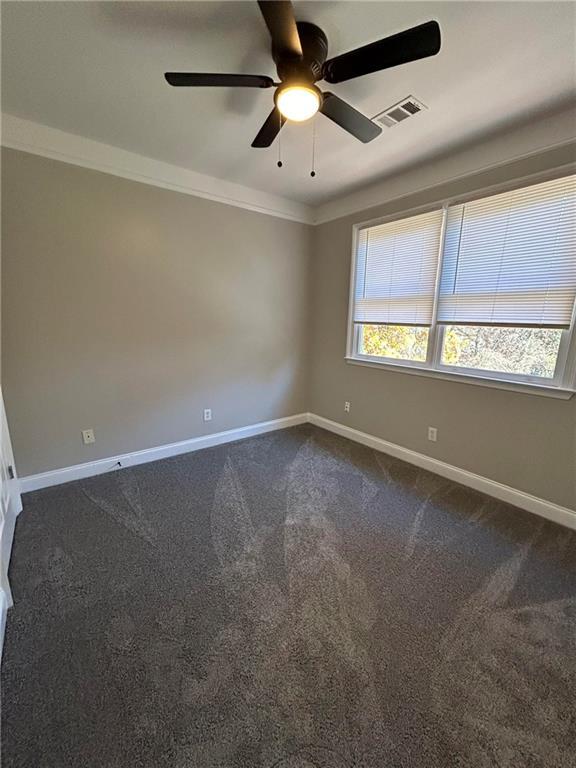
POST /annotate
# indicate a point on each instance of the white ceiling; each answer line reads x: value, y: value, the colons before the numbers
x: 96, y: 70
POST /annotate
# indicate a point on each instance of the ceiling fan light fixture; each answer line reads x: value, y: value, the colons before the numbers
x: 300, y: 52
x: 298, y: 102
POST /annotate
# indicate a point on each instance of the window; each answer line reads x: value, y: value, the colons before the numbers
x: 399, y: 342
x: 483, y: 288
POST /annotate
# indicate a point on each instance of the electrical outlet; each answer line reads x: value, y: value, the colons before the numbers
x: 347, y: 406
x: 207, y: 414
x: 88, y: 436
x: 432, y: 434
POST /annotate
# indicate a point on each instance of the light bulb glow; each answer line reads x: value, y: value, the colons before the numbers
x: 298, y: 102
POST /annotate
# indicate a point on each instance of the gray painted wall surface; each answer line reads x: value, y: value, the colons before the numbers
x: 521, y: 440
x: 129, y: 309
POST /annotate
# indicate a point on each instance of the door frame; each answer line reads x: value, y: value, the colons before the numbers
x: 10, y: 508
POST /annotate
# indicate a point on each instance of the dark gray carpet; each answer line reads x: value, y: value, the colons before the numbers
x: 290, y: 601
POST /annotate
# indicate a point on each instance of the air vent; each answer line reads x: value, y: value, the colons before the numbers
x: 399, y: 112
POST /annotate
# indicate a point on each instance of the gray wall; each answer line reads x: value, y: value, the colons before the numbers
x: 521, y: 440
x: 129, y: 309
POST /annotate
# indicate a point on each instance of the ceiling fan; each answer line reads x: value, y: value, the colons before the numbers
x: 300, y: 51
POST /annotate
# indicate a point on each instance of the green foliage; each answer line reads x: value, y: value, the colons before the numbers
x: 529, y: 351
x: 400, y: 342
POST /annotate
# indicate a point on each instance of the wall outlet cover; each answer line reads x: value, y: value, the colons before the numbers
x: 207, y: 414
x: 88, y: 436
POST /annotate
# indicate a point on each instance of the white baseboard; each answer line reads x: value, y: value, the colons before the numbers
x: 537, y: 506
x: 90, y: 468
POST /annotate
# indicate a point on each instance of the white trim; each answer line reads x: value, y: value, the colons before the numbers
x: 11, y: 504
x: 433, y: 351
x: 562, y: 385
x: 351, y: 341
x: 6, y: 543
x: 566, y: 363
x: 525, y: 388
x: 39, y: 139
x: 100, y: 466
x: 3, y: 616
x: 506, y: 493
x: 537, y: 137
x: 526, y: 501
x: 517, y: 182
x: 520, y: 182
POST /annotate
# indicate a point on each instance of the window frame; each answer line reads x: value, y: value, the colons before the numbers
x: 561, y: 385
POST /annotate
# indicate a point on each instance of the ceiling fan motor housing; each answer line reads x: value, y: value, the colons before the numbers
x: 314, y: 53
x: 300, y: 52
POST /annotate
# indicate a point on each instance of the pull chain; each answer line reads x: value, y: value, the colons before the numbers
x: 279, y: 163
x: 313, y: 171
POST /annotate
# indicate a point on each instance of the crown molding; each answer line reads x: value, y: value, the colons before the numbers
x: 540, y: 135
x: 39, y: 139
x: 535, y: 138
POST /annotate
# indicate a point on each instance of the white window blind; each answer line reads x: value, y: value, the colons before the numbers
x: 510, y: 259
x: 396, y: 267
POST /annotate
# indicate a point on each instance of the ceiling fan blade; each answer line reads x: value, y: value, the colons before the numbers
x: 270, y: 129
x: 410, y: 45
x: 279, y: 18
x: 184, y: 79
x: 341, y: 113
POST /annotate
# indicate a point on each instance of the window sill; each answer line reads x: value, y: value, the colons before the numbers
x: 525, y: 388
